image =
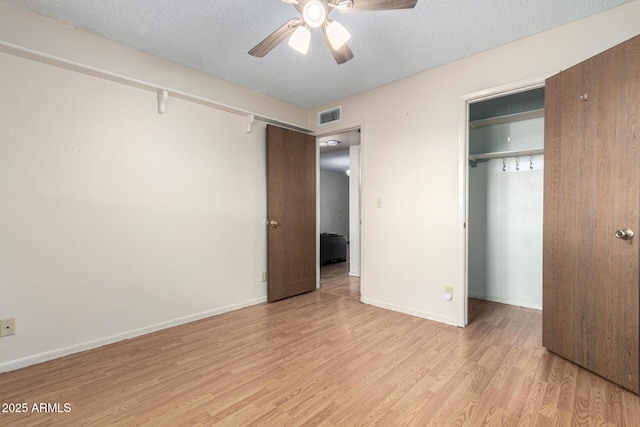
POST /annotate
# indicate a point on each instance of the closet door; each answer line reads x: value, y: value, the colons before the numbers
x: 591, y: 201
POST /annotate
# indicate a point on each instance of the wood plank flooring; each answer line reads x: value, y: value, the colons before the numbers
x: 335, y: 280
x: 326, y: 360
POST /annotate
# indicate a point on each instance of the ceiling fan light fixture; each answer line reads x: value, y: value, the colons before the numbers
x: 337, y: 34
x: 300, y: 39
x: 314, y: 13
x: 344, y: 5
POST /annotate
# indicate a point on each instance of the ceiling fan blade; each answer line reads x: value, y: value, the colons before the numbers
x: 341, y: 55
x: 277, y: 37
x: 362, y: 5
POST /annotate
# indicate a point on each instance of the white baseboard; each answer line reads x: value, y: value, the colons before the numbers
x: 410, y: 311
x: 54, y: 354
x: 506, y: 301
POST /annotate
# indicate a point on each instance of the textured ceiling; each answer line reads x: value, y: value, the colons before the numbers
x: 214, y: 36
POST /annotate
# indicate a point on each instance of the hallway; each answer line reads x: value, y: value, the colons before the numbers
x: 335, y: 280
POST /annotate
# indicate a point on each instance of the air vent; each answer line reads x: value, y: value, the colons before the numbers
x: 329, y: 116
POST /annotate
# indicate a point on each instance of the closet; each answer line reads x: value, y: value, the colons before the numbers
x: 505, y: 190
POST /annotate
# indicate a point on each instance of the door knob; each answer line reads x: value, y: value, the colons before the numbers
x: 274, y: 223
x: 625, y: 234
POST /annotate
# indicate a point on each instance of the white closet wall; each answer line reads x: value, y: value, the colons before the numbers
x: 505, y: 218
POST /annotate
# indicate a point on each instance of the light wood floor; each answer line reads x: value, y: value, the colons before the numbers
x: 322, y: 359
x: 335, y: 280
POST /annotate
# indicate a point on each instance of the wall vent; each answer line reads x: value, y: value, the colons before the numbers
x: 329, y: 116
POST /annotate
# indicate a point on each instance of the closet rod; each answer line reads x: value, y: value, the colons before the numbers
x: 503, y: 154
x: 56, y: 61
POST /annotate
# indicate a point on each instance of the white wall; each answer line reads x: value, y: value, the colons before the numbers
x: 505, y: 233
x: 411, y: 157
x: 116, y: 220
x: 334, y: 202
x: 32, y: 32
x: 505, y: 216
x: 354, y: 211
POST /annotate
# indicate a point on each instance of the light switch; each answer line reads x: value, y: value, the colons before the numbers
x: 378, y: 202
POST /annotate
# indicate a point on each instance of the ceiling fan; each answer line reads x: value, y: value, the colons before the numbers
x: 315, y: 15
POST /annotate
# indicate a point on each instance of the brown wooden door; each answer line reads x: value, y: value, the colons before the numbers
x: 291, y: 212
x: 591, y: 184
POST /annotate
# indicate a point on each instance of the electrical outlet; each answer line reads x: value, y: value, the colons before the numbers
x: 7, y: 327
x: 264, y: 276
x: 448, y: 292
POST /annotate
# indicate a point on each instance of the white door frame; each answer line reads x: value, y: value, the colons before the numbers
x: 355, y: 204
x: 463, y: 174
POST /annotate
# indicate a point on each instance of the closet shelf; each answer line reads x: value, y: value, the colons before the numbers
x: 509, y: 118
x: 504, y: 154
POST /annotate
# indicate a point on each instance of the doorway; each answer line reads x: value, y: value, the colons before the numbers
x: 339, y: 213
x: 502, y: 163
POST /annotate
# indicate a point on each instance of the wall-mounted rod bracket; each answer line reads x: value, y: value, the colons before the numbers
x: 249, y: 122
x: 162, y: 101
x: 56, y: 61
